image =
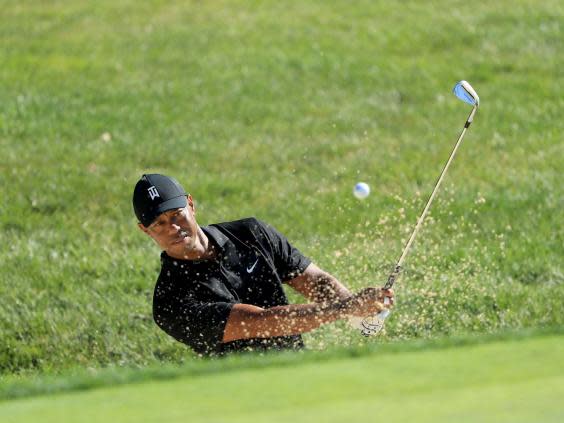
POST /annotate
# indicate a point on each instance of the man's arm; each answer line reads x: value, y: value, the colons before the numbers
x: 249, y: 321
x: 319, y: 286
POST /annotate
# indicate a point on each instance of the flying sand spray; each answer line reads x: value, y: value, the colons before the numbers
x: 373, y: 324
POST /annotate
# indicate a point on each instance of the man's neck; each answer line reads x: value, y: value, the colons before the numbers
x: 203, y: 250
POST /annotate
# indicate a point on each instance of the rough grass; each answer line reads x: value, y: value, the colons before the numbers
x: 276, y: 110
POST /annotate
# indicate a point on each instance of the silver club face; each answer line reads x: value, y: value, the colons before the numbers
x: 464, y: 91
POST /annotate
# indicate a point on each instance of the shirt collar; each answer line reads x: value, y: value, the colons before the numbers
x: 216, y: 236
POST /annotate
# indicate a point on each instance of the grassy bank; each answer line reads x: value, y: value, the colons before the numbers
x: 517, y: 380
x: 81, y: 379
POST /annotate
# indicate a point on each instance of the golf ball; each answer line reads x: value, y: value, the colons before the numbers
x: 361, y: 190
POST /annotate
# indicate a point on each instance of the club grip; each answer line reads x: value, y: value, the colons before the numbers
x: 393, y: 276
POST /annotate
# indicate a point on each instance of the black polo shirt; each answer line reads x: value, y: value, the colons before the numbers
x: 193, y: 298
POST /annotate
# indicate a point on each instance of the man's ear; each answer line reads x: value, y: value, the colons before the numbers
x: 191, y: 203
x: 143, y: 228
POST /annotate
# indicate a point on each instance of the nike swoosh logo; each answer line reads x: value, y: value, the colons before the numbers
x: 250, y: 269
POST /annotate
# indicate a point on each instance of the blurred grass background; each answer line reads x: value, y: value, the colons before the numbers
x: 276, y: 110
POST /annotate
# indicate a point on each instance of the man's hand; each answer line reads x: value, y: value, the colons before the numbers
x: 368, y: 302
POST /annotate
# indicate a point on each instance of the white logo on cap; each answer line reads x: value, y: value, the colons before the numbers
x: 153, y: 192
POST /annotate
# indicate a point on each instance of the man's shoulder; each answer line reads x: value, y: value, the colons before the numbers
x: 247, y: 222
x: 248, y: 231
x: 249, y: 226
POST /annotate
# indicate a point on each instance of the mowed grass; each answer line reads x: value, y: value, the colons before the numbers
x: 276, y: 110
x: 512, y: 381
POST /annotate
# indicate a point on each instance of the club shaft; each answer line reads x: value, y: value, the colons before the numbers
x: 397, y: 269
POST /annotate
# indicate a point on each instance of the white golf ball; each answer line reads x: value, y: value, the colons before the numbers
x: 361, y: 190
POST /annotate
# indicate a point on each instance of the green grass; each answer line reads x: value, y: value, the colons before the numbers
x: 79, y: 379
x: 276, y: 110
x: 517, y: 380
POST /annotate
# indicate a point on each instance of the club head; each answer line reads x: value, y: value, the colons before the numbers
x: 464, y: 91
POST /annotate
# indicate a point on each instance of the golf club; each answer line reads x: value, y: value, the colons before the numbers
x: 373, y: 324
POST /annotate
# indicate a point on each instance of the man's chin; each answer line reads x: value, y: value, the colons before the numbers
x: 181, y: 248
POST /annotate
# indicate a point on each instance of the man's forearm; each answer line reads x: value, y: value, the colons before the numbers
x: 319, y: 286
x: 247, y: 321
x: 328, y: 289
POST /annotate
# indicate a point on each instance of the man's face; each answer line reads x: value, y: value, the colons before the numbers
x: 175, y: 231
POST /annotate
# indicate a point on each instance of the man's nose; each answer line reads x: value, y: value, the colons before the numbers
x: 174, y: 227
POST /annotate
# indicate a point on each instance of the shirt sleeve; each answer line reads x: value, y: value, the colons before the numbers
x: 198, y: 324
x: 288, y: 260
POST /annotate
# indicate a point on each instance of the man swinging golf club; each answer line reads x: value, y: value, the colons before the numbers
x: 220, y: 286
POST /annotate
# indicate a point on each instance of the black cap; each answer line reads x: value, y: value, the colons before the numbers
x: 154, y: 194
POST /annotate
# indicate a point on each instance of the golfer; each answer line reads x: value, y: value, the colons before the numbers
x: 220, y: 286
